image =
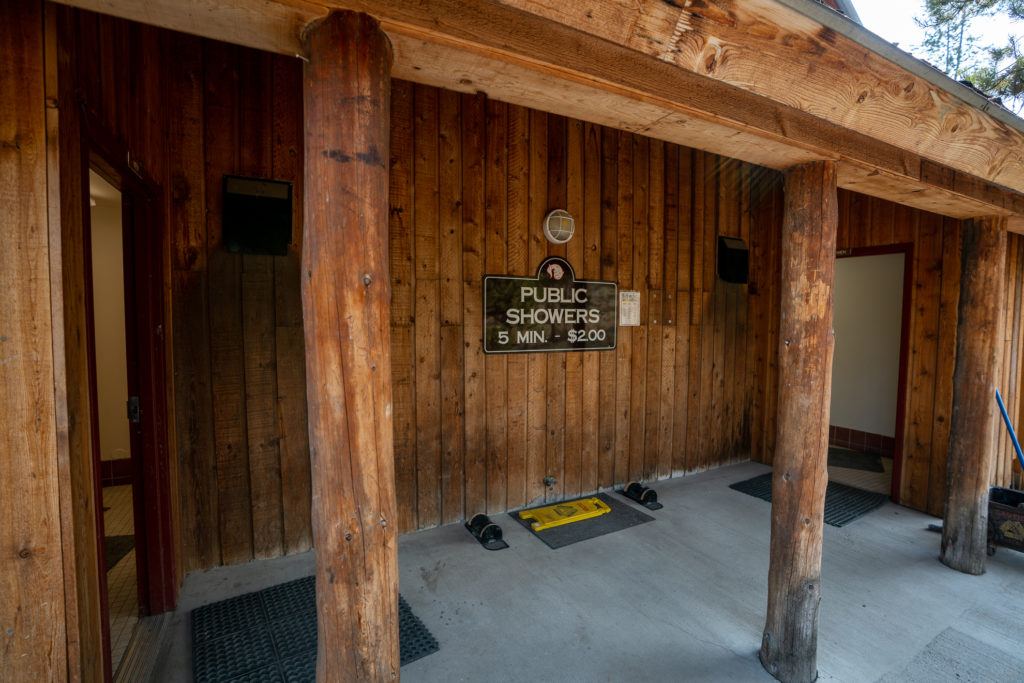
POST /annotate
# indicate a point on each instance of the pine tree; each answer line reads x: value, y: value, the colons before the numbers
x: 996, y: 70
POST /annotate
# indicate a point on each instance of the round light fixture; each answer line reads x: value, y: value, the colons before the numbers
x: 559, y: 226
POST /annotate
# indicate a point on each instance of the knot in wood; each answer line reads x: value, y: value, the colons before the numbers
x: 348, y: 536
x: 24, y: 553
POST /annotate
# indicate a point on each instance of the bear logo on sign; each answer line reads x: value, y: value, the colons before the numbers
x: 555, y: 271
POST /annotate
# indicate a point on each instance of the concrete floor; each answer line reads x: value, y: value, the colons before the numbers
x: 682, y: 598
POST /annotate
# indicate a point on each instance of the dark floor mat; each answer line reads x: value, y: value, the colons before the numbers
x: 116, y: 547
x: 854, y: 460
x: 843, y: 504
x: 271, y: 636
x: 621, y: 517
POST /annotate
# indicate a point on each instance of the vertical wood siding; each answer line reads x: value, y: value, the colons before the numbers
x: 693, y: 387
x: 869, y: 222
x: 190, y: 112
x: 39, y: 632
x: 471, y: 181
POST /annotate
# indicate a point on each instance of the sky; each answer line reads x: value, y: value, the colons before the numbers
x: 894, y: 21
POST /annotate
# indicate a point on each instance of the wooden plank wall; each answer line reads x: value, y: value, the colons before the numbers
x: 870, y: 222
x: 39, y: 629
x: 1007, y: 470
x: 471, y: 181
x: 693, y: 387
x: 191, y: 112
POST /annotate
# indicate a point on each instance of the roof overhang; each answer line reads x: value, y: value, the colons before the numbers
x: 771, y: 82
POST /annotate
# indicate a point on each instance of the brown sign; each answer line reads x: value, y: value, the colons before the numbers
x: 550, y: 312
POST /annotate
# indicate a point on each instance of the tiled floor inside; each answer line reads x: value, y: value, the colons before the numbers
x: 877, y: 482
x: 121, y: 585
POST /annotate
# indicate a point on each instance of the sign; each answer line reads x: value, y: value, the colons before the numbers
x: 629, y: 309
x: 551, y: 312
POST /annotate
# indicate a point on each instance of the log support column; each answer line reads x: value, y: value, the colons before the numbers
x: 789, y: 645
x: 972, y: 431
x: 345, y: 305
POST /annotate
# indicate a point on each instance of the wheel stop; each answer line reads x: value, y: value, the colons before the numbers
x: 647, y: 497
x: 487, y: 532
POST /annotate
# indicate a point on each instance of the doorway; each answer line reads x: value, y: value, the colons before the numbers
x: 128, y: 415
x: 871, y: 311
x: 113, y: 426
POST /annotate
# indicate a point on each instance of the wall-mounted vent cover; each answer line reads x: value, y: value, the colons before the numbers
x: 559, y: 226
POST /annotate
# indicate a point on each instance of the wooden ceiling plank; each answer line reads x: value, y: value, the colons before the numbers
x: 754, y: 81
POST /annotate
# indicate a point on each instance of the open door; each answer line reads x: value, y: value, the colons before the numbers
x: 124, y: 302
x: 871, y: 323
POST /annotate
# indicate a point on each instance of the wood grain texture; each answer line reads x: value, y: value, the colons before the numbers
x: 346, y: 297
x: 717, y: 77
x: 789, y: 645
x: 92, y: 655
x: 590, y: 420
x: 35, y: 643
x: 978, y: 358
x: 935, y: 269
x: 783, y: 55
x: 496, y: 237
x: 235, y: 111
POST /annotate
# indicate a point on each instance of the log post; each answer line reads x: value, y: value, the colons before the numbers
x: 345, y: 305
x: 789, y: 645
x: 972, y: 430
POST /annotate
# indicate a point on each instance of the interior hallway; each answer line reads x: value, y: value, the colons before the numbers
x: 684, y: 594
x: 877, y: 482
x: 122, y: 589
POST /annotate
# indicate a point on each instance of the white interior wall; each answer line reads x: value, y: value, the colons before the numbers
x: 108, y: 316
x: 868, y: 317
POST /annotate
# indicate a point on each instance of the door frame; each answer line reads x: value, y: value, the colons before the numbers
x: 143, y: 245
x: 907, y: 249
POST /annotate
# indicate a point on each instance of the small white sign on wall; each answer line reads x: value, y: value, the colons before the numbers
x: 629, y: 309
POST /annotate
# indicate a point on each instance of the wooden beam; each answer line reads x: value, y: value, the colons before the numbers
x: 771, y: 50
x: 271, y: 25
x: 33, y: 628
x: 789, y: 645
x: 345, y: 303
x: 583, y: 60
x: 972, y: 429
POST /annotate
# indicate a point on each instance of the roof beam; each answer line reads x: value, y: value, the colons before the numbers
x: 769, y: 49
x: 608, y: 62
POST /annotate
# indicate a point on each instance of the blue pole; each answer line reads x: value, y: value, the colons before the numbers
x: 1009, y: 428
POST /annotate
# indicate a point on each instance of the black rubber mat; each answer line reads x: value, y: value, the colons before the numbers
x: 843, y: 504
x: 116, y: 547
x: 271, y: 636
x: 622, y: 516
x: 854, y: 460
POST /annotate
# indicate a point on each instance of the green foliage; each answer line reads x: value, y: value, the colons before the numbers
x: 997, y: 70
x: 948, y: 41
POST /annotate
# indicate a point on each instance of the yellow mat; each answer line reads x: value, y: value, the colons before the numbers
x: 565, y: 513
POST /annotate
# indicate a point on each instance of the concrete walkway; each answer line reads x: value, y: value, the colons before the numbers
x: 682, y: 598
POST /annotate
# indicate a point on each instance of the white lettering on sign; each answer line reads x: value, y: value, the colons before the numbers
x: 552, y: 316
x: 549, y: 312
x: 552, y: 295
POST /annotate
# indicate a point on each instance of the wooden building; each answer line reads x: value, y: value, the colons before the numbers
x: 337, y: 395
